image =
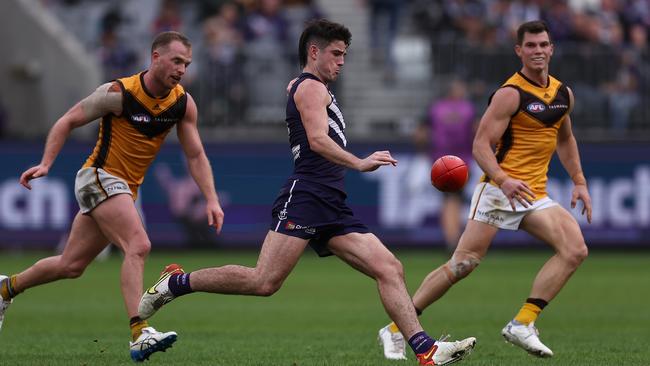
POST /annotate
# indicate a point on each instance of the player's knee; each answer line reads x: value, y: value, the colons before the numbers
x: 139, y: 248
x: 389, y: 268
x: 395, y: 268
x: 460, y: 266
x: 576, y: 254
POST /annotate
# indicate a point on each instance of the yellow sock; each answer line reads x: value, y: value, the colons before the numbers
x: 7, y: 288
x: 528, y: 313
x: 4, y: 290
x: 136, y: 328
x: 393, y: 327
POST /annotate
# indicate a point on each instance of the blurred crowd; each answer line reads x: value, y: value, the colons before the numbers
x: 246, y: 50
x: 601, y: 49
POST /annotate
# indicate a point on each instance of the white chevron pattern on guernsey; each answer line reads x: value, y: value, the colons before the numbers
x: 335, y: 108
x: 335, y: 126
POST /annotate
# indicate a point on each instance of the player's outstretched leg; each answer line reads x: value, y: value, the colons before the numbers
x: 151, y: 341
x: 446, y: 353
x: 393, y: 342
x: 4, y: 303
x: 526, y: 337
x: 159, y: 294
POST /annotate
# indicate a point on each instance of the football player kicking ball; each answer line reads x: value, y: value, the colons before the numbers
x: 311, y: 208
x: 528, y: 120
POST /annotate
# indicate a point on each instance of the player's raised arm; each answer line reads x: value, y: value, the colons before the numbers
x: 312, y: 99
x: 105, y: 99
x: 198, y: 163
x: 494, y: 122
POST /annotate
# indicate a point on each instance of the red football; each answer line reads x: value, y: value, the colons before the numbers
x: 449, y: 173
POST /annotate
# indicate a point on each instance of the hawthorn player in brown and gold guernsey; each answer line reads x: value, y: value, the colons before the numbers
x: 527, y: 120
x: 136, y: 114
x: 528, y: 143
x: 128, y: 143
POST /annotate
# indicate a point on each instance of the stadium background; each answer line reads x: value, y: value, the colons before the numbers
x: 245, y: 52
x: 57, y: 51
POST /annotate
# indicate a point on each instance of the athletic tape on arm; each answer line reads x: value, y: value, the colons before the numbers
x: 102, y: 102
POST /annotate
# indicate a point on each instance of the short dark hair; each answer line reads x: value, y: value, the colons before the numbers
x: 165, y: 38
x: 534, y: 27
x: 322, y: 32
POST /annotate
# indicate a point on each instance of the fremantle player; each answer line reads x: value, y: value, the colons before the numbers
x: 311, y: 208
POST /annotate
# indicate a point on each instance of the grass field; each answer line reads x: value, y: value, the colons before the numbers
x: 327, y: 314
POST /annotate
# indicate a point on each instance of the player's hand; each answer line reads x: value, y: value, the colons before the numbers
x: 375, y: 160
x: 518, y: 190
x: 215, y: 215
x: 33, y: 173
x: 580, y: 192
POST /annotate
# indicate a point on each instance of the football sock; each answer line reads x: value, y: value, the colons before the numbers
x: 392, y: 327
x: 530, y: 311
x: 8, y: 288
x: 179, y: 284
x: 421, y: 342
x: 136, y: 325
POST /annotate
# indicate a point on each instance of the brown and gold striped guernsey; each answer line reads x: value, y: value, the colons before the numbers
x: 528, y: 143
x: 128, y: 143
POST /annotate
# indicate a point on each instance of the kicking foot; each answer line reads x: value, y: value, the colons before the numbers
x: 159, y: 294
x: 445, y: 353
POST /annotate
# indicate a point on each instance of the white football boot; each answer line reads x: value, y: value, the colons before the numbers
x: 159, y: 294
x: 4, y: 304
x: 526, y: 337
x: 446, y: 353
x: 394, y: 344
x: 150, y: 341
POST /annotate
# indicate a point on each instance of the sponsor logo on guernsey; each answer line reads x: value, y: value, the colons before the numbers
x: 144, y: 118
x: 558, y: 106
x: 295, y: 150
x: 283, y: 214
x: 536, y: 107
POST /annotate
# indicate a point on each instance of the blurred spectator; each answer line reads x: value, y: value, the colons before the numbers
x: 383, y: 25
x: 267, y: 61
x: 223, y: 94
x: 559, y: 19
x: 450, y: 131
x: 520, y: 12
x: 267, y: 23
x: 168, y: 18
x: 623, y: 92
x: 297, y: 13
x: 116, y: 57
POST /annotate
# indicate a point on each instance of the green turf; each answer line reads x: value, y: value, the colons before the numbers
x: 327, y: 314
